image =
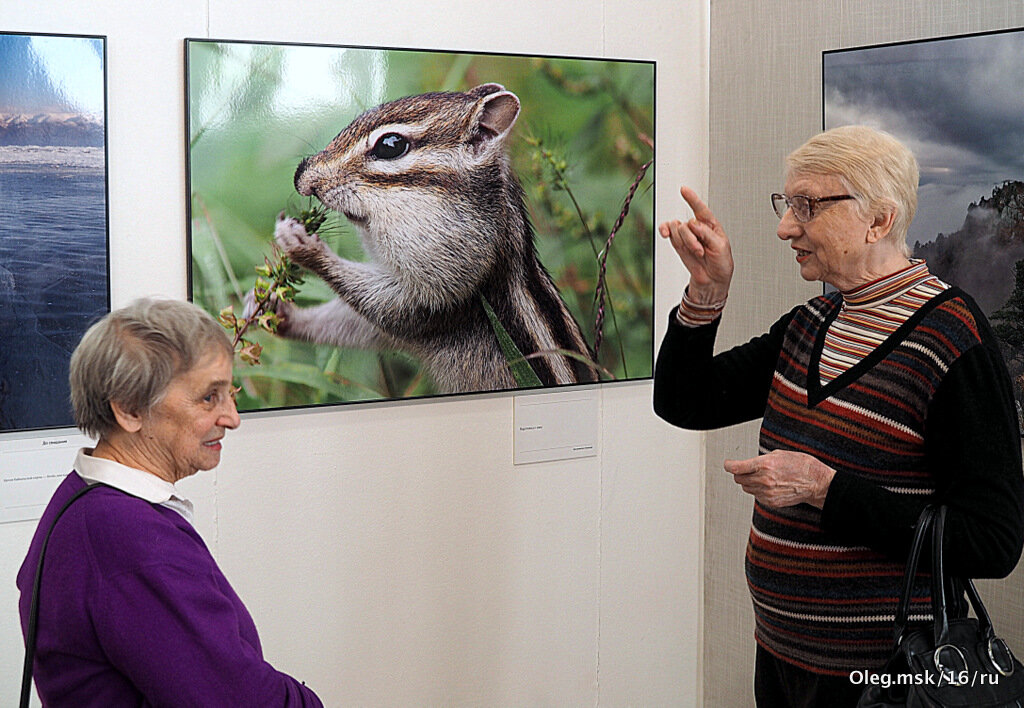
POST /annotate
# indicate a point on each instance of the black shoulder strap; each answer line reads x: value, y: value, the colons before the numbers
x: 33, y: 612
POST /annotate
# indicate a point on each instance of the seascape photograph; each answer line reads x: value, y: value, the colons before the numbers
x: 956, y: 102
x: 54, y: 273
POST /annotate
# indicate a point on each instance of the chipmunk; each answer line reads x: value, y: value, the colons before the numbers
x: 426, y: 182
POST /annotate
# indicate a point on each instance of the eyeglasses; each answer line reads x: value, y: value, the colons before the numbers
x: 803, y: 206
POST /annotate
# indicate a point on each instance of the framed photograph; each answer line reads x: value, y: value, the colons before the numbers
x: 375, y: 224
x: 54, y: 269
x: 956, y: 103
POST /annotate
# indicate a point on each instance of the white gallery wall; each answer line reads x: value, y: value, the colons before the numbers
x: 392, y: 554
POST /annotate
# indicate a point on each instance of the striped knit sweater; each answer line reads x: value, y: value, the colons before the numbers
x: 926, y: 414
x: 872, y: 312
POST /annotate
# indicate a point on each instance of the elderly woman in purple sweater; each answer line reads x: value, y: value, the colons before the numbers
x: 133, y: 609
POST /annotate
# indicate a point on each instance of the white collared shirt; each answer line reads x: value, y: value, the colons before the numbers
x: 132, y: 481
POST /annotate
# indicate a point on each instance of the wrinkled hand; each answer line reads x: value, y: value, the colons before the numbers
x: 783, y: 478
x: 703, y: 248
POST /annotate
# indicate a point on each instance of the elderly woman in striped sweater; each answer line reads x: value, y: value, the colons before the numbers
x: 876, y: 399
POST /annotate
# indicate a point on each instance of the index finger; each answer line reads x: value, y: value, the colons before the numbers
x: 700, y: 209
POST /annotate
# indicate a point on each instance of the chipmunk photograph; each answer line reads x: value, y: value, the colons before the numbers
x: 377, y: 224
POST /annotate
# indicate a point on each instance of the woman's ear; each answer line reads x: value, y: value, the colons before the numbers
x: 130, y: 422
x: 881, y: 226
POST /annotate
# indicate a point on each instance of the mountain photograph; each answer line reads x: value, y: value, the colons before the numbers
x: 956, y: 103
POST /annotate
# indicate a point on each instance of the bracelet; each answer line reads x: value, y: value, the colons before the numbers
x: 692, y: 314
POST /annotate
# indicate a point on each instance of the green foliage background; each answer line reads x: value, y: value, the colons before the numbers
x: 255, y: 110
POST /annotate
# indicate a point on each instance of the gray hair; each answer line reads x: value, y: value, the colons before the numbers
x: 876, y: 168
x: 131, y: 355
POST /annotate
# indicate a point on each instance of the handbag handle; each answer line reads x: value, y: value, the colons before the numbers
x: 32, y: 629
x: 924, y: 524
x: 949, y: 659
x: 939, y: 610
x: 939, y: 583
x: 984, y: 620
x: 933, y: 519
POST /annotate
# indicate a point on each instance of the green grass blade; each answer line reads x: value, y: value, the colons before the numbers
x: 522, y: 372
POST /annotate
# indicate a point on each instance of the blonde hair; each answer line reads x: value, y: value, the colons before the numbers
x: 131, y: 355
x: 876, y: 168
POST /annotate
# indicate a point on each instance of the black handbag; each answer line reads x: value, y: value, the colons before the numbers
x: 955, y: 661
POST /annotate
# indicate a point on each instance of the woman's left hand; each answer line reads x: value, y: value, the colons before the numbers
x: 783, y: 478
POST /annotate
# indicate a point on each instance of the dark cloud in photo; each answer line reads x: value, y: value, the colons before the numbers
x: 958, y: 103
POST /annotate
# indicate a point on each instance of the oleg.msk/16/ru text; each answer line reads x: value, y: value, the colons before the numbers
x: 958, y: 678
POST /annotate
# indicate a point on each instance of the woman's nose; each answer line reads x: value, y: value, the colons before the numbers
x: 788, y: 227
x: 229, y: 417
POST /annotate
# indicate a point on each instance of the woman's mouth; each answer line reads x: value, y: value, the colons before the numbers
x: 801, y: 256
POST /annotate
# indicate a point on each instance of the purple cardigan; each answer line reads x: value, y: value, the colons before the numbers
x: 135, y: 612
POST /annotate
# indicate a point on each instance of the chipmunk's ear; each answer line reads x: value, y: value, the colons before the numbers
x: 484, y: 89
x: 496, y: 113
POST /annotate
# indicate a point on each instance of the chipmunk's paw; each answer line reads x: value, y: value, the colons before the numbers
x: 250, y: 305
x: 304, y: 248
x: 282, y: 308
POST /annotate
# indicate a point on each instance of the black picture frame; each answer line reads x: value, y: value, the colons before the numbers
x: 257, y: 109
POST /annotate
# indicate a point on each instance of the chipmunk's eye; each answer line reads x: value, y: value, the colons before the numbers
x: 390, y: 146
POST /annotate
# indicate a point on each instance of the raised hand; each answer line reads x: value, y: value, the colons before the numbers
x: 704, y: 250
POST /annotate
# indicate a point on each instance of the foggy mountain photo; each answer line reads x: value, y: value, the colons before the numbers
x: 980, y: 255
x: 957, y: 104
